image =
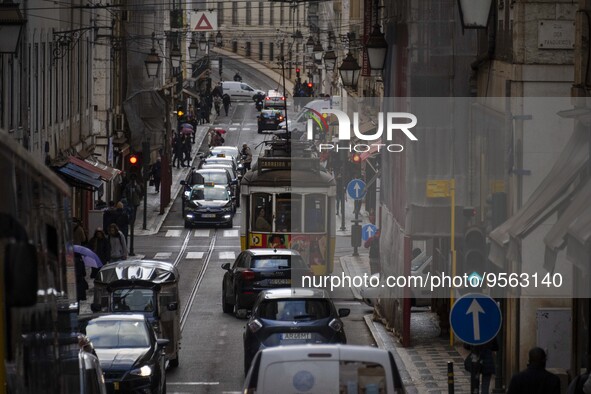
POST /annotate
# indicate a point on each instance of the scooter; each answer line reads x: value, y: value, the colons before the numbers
x: 259, y: 105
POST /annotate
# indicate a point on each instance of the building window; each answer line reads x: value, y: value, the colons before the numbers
x: 260, y: 50
x: 234, y: 13
x: 220, y: 13
x: 248, y: 53
x: 261, y: 13
x: 248, y: 14
x: 234, y: 46
x: 271, y: 55
x: 271, y: 14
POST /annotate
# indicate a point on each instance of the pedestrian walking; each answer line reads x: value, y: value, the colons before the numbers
x: 117, y: 244
x: 79, y: 234
x: 156, y: 172
x: 122, y: 219
x: 373, y: 243
x: 535, y: 378
x: 133, y: 193
x: 177, y: 145
x: 99, y: 243
x: 246, y: 157
x: 80, y: 273
x: 187, y: 147
x: 226, y: 101
x: 217, y: 103
x: 109, y: 214
x: 340, y: 197
x: 485, y: 363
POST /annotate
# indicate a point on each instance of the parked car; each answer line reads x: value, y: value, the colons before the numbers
x: 219, y: 160
x: 292, y: 316
x: 216, y: 176
x: 239, y: 90
x: 274, y: 99
x: 258, y: 269
x: 319, y: 369
x: 231, y: 151
x: 269, y: 119
x: 131, y: 357
x: 234, y: 176
x: 210, y: 204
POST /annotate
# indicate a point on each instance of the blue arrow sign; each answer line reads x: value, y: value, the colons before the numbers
x: 475, y: 318
x: 368, y: 231
x: 356, y: 189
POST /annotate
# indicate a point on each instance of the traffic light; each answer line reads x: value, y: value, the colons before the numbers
x: 355, y: 165
x: 474, y: 257
x: 297, y: 72
x: 135, y: 163
x: 356, y: 158
x: 310, y: 88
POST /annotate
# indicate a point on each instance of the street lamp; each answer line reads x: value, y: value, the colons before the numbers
x: 349, y: 71
x: 152, y: 61
x: 376, y: 47
x: 298, y: 37
x: 175, y: 56
x: 310, y: 45
x: 193, y: 49
x: 330, y: 59
x: 318, y: 51
x: 11, y: 26
x: 202, y: 43
x: 219, y: 39
x: 474, y: 13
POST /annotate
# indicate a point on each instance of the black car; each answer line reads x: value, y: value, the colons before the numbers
x: 292, y: 317
x: 217, y: 176
x: 131, y: 357
x: 269, y: 119
x: 258, y: 269
x: 210, y: 204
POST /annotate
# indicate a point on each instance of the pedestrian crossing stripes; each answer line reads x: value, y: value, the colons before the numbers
x: 201, y: 233
x: 250, y: 124
x: 162, y: 255
x: 174, y: 233
x: 195, y: 255
x: 227, y: 255
x: 233, y: 128
x: 230, y: 233
x: 246, y: 129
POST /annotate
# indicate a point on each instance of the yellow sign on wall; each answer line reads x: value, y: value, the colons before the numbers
x: 437, y: 188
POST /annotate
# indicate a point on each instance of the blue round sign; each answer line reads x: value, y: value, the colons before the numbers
x: 367, y: 231
x: 356, y: 189
x: 303, y: 381
x: 475, y: 318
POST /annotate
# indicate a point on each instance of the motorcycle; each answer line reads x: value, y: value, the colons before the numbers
x: 259, y: 105
x: 237, y: 78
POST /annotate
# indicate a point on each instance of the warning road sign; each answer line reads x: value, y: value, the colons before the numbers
x: 204, y: 21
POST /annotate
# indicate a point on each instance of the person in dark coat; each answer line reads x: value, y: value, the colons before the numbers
x: 535, y: 378
x: 177, y: 146
x: 122, y: 220
x: 373, y: 243
x: 156, y: 173
x: 99, y: 243
x: 486, y: 363
x: 109, y: 214
x: 80, y: 271
x: 187, y: 147
x: 226, y: 101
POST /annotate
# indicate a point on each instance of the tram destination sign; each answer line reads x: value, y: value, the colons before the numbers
x: 287, y: 163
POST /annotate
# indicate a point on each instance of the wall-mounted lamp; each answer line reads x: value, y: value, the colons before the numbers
x: 193, y: 49
x: 219, y: 41
x: 376, y: 47
x: 11, y: 26
x: 474, y: 13
x: 175, y: 56
x: 153, y: 61
x: 349, y: 71
x: 330, y: 59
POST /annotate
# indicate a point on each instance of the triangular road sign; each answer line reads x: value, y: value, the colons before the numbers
x: 203, y: 24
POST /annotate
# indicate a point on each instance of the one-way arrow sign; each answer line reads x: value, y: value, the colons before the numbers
x: 356, y: 189
x: 368, y: 231
x: 475, y: 318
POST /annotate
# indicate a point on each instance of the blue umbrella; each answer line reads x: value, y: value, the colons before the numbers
x: 88, y: 256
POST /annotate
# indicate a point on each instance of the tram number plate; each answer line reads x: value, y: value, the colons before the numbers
x: 280, y: 281
x: 208, y: 215
x: 296, y: 335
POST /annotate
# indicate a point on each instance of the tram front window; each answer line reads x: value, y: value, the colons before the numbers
x: 315, y: 213
x: 262, y: 207
x: 288, y: 208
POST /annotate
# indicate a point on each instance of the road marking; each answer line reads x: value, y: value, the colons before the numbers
x: 250, y: 124
x: 230, y: 233
x: 235, y: 124
x: 195, y: 255
x: 246, y: 129
x: 162, y: 255
x: 202, y: 233
x: 232, y: 128
x: 227, y: 255
x: 173, y: 233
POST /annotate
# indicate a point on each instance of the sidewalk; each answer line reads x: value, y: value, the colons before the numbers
x: 423, y: 365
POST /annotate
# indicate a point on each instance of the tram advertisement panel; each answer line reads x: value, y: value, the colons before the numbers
x: 312, y: 247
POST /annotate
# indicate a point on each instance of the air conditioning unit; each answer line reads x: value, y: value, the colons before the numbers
x: 119, y: 122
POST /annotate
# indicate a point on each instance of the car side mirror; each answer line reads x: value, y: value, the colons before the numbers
x: 161, y: 342
x: 173, y: 306
x: 95, y: 307
x: 226, y: 266
x: 344, y: 312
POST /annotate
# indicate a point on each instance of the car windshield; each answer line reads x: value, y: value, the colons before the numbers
x: 209, y: 194
x: 223, y: 166
x: 294, y: 309
x: 277, y: 262
x: 219, y: 178
x: 118, y: 334
x: 133, y: 300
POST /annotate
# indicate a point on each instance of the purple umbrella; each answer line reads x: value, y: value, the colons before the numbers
x: 187, y: 125
x: 186, y: 130
x: 88, y: 256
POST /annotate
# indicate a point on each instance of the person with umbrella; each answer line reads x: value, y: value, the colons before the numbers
x: 99, y: 244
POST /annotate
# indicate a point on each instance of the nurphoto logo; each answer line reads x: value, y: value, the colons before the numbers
x: 344, y: 134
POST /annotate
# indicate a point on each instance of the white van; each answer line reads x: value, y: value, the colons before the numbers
x: 321, y: 369
x: 239, y: 90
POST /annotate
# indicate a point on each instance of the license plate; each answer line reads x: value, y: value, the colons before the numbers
x: 280, y: 281
x: 116, y: 385
x: 296, y: 335
x: 208, y: 215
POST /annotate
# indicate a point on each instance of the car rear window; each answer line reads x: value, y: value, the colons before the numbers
x: 278, y: 262
x: 294, y: 309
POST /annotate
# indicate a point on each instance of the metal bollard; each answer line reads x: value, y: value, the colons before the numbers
x: 450, y: 377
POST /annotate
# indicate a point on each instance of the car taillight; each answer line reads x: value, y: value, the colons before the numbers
x: 336, y: 325
x: 255, y: 325
x: 247, y: 275
x: 267, y: 98
x: 282, y: 98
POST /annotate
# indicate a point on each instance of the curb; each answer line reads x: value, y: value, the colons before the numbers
x: 345, y: 269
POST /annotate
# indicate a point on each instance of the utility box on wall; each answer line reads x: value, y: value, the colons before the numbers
x: 554, y: 335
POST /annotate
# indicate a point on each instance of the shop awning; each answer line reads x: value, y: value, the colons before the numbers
x: 548, y: 196
x: 79, y: 177
x: 105, y: 172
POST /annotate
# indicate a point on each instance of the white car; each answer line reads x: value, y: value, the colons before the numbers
x: 319, y: 369
x: 239, y: 90
x: 274, y: 99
